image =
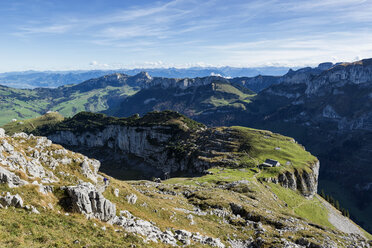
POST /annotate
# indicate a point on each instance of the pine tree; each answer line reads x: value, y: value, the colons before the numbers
x: 332, y: 200
x: 343, y: 211
x: 327, y: 198
x: 337, y: 205
x: 322, y: 194
x: 347, y: 213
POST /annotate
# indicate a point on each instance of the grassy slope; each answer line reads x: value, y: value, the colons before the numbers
x: 235, y: 96
x: 191, y: 101
x: 25, y: 104
x: 29, y: 125
x: 19, y: 104
x: 264, y: 145
x: 309, y: 209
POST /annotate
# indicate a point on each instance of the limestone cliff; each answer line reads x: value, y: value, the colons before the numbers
x: 175, y: 149
x: 303, y: 181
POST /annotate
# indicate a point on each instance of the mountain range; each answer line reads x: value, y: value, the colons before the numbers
x: 53, y: 79
x: 107, y: 93
x: 327, y: 108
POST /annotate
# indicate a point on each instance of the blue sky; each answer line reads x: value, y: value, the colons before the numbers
x: 97, y: 34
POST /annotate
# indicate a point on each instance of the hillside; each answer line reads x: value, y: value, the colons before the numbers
x: 192, y: 101
x: 107, y: 93
x: 21, y: 104
x: 29, y: 125
x: 58, y: 198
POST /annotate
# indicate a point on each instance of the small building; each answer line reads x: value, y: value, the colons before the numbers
x: 270, y: 163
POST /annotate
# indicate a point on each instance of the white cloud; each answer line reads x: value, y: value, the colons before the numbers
x: 241, y: 33
x: 39, y: 29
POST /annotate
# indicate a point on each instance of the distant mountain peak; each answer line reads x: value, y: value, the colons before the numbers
x: 325, y: 66
x: 143, y: 75
x: 115, y: 76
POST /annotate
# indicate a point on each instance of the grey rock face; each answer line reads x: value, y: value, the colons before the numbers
x: 128, y: 139
x: 2, y: 133
x: 7, y: 147
x: 87, y: 200
x: 142, y: 142
x: 90, y: 169
x: 339, y: 75
x: 11, y: 200
x: 20, y: 135
x: 146, y: 229
x: 153, y: 233
x: 181, y: 83
x: 35, y: 160
x: 132, y: 198
x: 306, y: 183
x: 10, y: 178
x: 151, y: 144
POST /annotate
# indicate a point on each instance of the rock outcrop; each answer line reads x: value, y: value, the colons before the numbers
x: 10, y: 178
x: 303, y: 181
x: 166, y: 149
x: 11, y: 200
x: 85, y: 199
x: 153, y: 233
x: 38, y: 160
x: 132, y: 198
x: 2, y: 133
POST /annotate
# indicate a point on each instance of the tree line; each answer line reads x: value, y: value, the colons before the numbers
x: 335, y: 203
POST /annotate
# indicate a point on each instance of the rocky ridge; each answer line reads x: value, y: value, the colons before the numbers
x: 172, y: 149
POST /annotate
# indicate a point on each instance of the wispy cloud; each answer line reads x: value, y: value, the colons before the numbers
x: 50, y: 29
x: 213, y: 31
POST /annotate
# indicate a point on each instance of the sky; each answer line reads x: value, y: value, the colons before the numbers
x: 111, y: 34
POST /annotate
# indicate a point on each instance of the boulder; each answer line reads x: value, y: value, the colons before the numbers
x: 35, y: 169
x: 132, y: 198
x: 90, y: 169
x: 145, y: 228
x: 20, y: 135
x: 11, y: 200
x: 2, y: 133
x: 10, y: 178
x: 85, y: 199
x: 8, y: 147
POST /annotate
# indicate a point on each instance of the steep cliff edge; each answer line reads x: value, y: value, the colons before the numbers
x: 170, y: 144
x: 330, y: 112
